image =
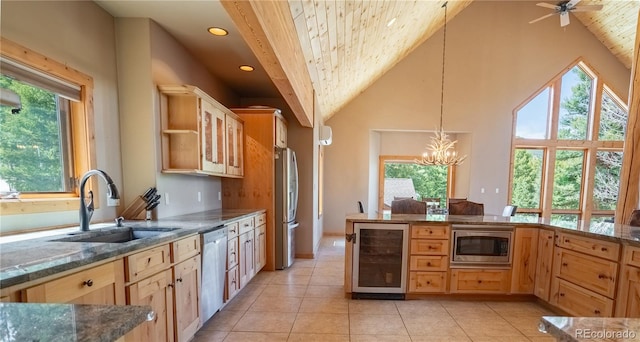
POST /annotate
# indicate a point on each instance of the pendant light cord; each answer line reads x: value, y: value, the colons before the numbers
x: 444, y: 48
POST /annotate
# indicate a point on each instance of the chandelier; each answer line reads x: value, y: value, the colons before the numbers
x: 441, y: 149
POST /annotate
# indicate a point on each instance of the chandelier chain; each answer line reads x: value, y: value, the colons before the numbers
x: 444, y: 49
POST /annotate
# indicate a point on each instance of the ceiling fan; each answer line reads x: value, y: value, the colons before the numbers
x: 563, y: 8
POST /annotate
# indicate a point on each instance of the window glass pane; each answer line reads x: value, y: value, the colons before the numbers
x: 575, y: 95
x: 567, y: 179
x: 415, y: 181
x: 526, y: 217
x: 613, y: 119
x: 32, y: 156
x: 531, y: 120
x: 601, y: 224
x: 527, y: 178
x: 564, y: 220
x: 607, y: 180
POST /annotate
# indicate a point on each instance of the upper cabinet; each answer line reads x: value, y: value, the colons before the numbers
x: 199, y: 135
x: 281, y: 130
x: 277, y: 124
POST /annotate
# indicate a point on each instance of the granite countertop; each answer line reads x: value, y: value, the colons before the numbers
x: 603, y: 230
x: 27, y: 260
x: 573, y: 329
x: 69, y: 322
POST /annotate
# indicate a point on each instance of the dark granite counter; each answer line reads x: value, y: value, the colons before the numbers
x: 31, y: 259
x: 69, y: 322
x: 573, y: 329
x: 602, y: 230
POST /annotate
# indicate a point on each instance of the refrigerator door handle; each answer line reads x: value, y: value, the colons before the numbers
x: 294, y: 225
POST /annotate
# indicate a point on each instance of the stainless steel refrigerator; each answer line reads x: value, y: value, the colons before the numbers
x: 286, y: 194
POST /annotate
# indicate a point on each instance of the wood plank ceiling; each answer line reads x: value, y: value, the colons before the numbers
x: 349, y: 44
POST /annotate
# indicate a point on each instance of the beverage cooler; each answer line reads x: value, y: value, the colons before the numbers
x: 380, y: 253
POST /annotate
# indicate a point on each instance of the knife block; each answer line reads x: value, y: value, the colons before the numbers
x: 136, y: 210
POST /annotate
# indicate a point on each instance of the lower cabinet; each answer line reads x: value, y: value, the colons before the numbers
x: 155, y: 291
x: 428, y: 259
x: 480, y: 280
x: 544, y: 264
x: 260, y: 247
x: 186, y: 276
x: 102, y: 284
x: 525, y: 251
x: 628, y: 301
x: 578, y: 301
x: 247, y: 261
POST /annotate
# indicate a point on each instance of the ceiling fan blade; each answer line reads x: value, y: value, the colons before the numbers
x: 571, y: 4
x: 564, y: 19
x: 542, y: 17
x: 546, y: 5
x: 587, y: 8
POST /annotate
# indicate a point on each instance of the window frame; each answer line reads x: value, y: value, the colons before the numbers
x: 81, y: 116
x: 391, y: 158
x: 551, y: 145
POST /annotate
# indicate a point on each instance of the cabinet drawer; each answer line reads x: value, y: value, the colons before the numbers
x: 632, y: 256
x: 429, y: 263
x: 246, y: 225
x: 430, y: 232
x: 260, y: 219
x: 232, y: 230
x: 579, y: 301
x: 185, y: 248
x: 146, y: 263
x: 480, y: 281
x: 73, y: 286
x: 427, y: 282
x: 603, y: 249
x: 148, y: 286
x: 233, y: 282
x: 595, y: 274
x: 232, y: 253
x: 429, y: 247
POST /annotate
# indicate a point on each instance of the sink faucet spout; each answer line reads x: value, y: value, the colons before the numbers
x: 86, y: 209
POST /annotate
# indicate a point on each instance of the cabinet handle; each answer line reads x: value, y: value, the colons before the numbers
x: 428, y: 283
x: 561, y: 294
x: 597, y: 312
x: 604, y: 249
x: 170, y: 284
x: 602, y: 276
x: 428, y: 264
x: 88, y: 283
x: 431, y: 232
x: 567, y: 240
x: 550, y: 237
x: 179, y: 280
x: 479, y: 281
x: 565, y: 264
x: 246, y: 225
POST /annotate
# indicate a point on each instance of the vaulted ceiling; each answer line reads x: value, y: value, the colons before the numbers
x: 336, y: 48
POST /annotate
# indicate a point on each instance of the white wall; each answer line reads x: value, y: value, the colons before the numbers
x: 79, y: 34
x: 495, y: 60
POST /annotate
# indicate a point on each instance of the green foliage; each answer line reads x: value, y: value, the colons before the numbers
x: 429, y: 181
x: 30, y: 151
x: 527, y: 175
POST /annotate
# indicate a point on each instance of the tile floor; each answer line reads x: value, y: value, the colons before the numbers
x: 306, y: 303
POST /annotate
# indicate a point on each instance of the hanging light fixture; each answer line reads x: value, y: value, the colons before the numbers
x: 441, y: 149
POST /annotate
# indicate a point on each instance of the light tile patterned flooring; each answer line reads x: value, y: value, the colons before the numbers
x: 307, y: 303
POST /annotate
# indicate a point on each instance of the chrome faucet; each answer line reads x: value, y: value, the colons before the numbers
x: 86, y: 209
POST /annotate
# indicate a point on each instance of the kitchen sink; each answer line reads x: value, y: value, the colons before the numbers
x: 115, y: 235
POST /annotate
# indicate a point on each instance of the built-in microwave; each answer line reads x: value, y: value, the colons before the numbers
x: 481, y: 245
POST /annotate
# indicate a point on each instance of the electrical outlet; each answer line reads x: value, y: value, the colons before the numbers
x: 497, y: 190
x: 199, y: 196
x: 219, y: 196
x: 166, y: 198
x: 482, y: 190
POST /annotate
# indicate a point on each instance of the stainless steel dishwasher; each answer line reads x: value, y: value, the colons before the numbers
x: 214, y: 262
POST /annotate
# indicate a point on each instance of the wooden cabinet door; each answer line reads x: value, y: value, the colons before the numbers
x: 247, y: 267
x: 544, y: 265
x: 579, y: 301
x: 155, y: 291
x: 628, y: 301
x: 213, y: 138
x: 186, y: 277
x: 525, y: 249
x: 280, y: 132
x: 235, y: 146
x: 102, y: 284
x: 260, y: 247
x: 592, y: 273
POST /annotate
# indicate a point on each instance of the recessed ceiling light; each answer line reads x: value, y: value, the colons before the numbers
x: 246, y: 68
x: 217, y: 31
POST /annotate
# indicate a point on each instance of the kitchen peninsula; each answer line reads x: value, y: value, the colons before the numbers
x: 583, y: 271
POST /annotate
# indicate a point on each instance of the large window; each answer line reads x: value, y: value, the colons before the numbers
x: 567, y: 150
x: 46, y: 145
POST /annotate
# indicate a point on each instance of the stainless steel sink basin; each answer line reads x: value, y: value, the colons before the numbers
x: 115, y: 235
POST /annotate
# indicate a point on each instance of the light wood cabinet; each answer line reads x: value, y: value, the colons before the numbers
x: 260, y: 247
x: 102, y: 284
x: 598, y: 248
x: 280, y: 131
x: 155, y: 291
x: 544, y: 264
x: 428, y: 259
x: 480, y: 280
x: 592, y: 273
x: 578, y: 301
x: 628, y: 300
x: 247, y: 259
x: 525, y: 251
x: 146, y: 263
x: 186, y: 277
x: 235, y: 146
x: 198, y: 133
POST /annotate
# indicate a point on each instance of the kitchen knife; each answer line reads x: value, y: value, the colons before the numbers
x: 152, y: 205
x: 150, y: 194
x: 147, y: 193
x: 155, y: 198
